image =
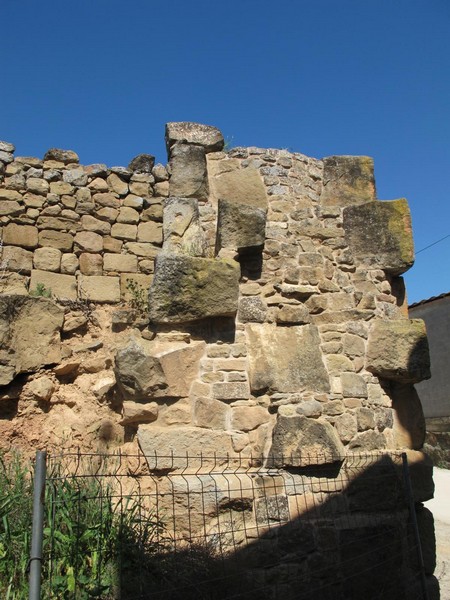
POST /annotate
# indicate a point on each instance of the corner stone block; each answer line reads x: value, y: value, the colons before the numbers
x: 285, y: 359
x: 236, y: 185
x: 347, y: 180
x: 299, y: 441
x: 182, y: 230
x: 61, y: 286
x: 210, y: 138
x: 97, y: 288
x: 379, y: 235
x: 409, y: 421
x: 240, y: 226
x: 188, y: 168
x: 20, y: 235
x: 398, y: 350
x: 187, y: 288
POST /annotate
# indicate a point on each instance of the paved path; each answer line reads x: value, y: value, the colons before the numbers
x: 440, y: 507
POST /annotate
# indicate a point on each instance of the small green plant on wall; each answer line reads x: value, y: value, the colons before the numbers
x: 138, y: 296
x: 41, y: 291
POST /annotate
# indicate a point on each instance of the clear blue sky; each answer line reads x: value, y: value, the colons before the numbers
x: 321, y: 77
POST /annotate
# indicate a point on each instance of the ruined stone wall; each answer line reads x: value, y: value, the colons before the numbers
x: 276, y: 323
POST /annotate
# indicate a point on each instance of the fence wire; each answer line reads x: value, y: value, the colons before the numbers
x: 135, y: 527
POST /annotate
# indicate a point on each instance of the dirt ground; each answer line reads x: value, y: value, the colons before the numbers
x: 440, y: 507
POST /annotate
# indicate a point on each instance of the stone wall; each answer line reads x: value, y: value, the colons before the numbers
x: 276, y: 323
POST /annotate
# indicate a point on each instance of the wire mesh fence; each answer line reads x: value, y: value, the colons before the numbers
x: 135, y: 527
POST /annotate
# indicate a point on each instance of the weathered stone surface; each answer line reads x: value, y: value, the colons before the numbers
x: 211, y: 413
x: 47, y: 259
x: 347, y: 180
x: 10, y: 208
x: 99, y: 289
x: 187, y: 289
x: 121, y: 263
x: 91, y: 264
x: 88, y: 241
x: 14, y: 258
x: 252, y: 309
x: 64, y: 156
x: 142, y: 163
x: 140, y: 282
x: 285, y: 359
x: 147, y: 369
x: 103, y: 385
x: 150, y: 232
x: 179, y: 442
x: 346, y: 427
x: 136, y: 412
x: 14, y: 283
x: 90, y: 223
x: 210, y: 138
x: 230, y: 391
x: 124, y: 231
x: 310, y: 408
x: 353, y: 386
x: 69, y: 264
x: 247, y: 418
x: 239, y: 186
x: 409, y: 420
x: 188, y: 168
x: 37, y: 186
x: 60, y: 286
x: 74, y: 321
x: 56, y: 239
x: 294, y: 314
x: 182, y: 232
x: 298, y: 441
x: 398, y: 350
x: 42, y: 388
x: 240, y: 226
x: 128, y: 215
x: 20, y: 235
x: 29, y: 335
x: 379, y: 235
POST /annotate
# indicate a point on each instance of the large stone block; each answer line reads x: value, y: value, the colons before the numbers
x: 60, y: 286
x: 347, y: 180
x: 285, y: 359
x: 122, y: 263
x: 379, y: 235
x: 299, y: 441
x: 20, y: 235
x: 240, y: 186
x: 187, y: 288
x: 169, y: 448
x: 188, y: 168
x: 409, y: 420
x: 185, y: 132
x: 99, y: 289
x: 240, y: 226
x: 56, y: 239
x: 398, y: 350
x: 182, y: 230
x: 14, y: 258
x: 29, y: 335
x: 149, y: 369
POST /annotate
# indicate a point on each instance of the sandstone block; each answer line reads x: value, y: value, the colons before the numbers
x: 347, y: 180
x: 29, y: 335
x: 240, y: 226
x: 64, y: 156
x: 69, y: 264
x: 141, y: 249
x: 61, y: 286
x: 134, y: 201
x: 10, y: 195
x: 150, y: 232
x: 98, y: 185
x: 398, y: 350
x: 298, y: 441
x: 379, y: 235
x: 231, y: 391
x: 142, y: 163
x: 20, y: 235
x: 88, y: 241
x: 90, y: 223
x: 182, y: 231
x: 61, y: 187
x: 13, y: 258
x: 76, y: 176
x: 47, y: 259
x: 188, y: 168
x: 210, y: 138
x: 285, y: 359
x: 346, y: 427
x: 37, y: 186
x: 295, y: 314
x: 128, y: 215
x: 124, y: 231
x: 247, y: 418
x: 409, y: 421
x: 136, y: 412
x: 238, y: 186
x: 99, y: 289
x: 91, y: 264
x: 56, y: 239
x: 187, y: 289
x: 106, y: 200
x: 179, y: 442
x: 117, y: 185
x: 121, y: 263
x: 353, y: 386
x: 210, y: 413
x: 10, y: 208
x: 110, y: 244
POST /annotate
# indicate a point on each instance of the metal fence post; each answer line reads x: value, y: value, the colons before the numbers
x: 38, y: 526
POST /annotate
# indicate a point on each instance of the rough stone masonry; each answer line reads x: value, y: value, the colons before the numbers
x: 276, y: 323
